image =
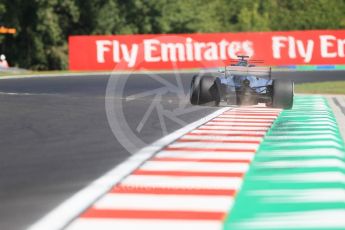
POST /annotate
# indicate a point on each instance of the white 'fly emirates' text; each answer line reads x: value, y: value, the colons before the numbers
x: 157, y: 51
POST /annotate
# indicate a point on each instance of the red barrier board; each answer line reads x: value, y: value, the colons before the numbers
x: 167, y: 51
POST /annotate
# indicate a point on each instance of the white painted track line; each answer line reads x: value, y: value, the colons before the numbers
x: 221, y: 138
x: 248, y: 116
x: 118, y: 224
x: 195, y: 166
x: 242, y: 120
x: 267, y: 124
x: 214, y: 145
x: 184, y: 182
x: 234, y: 132
x: 234, y: 128
x: 165, y: 202
x: 206, y: 155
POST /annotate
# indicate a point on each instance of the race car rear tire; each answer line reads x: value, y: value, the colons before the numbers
x: 282, y: 96
x: 209, y: 91
x: 204, y: 91
x: 195, y: 90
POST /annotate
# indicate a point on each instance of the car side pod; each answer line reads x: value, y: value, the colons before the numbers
x: 204, y: 90
x: 282, y: 95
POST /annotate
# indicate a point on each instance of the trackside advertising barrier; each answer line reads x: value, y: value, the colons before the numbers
x: 158, y: 52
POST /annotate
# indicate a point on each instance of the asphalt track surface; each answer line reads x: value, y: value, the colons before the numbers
x: 55, y: 137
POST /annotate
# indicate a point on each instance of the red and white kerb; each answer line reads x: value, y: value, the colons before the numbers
x: 191, y: 183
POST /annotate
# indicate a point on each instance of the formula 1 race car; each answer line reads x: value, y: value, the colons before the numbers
x: 242, y: 84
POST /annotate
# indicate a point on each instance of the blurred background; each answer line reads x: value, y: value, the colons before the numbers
x: 43, y: 26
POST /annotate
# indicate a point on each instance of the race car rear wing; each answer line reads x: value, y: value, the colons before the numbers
x: 255, y: 71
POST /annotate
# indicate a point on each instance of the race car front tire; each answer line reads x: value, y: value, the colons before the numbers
x: 282, y: 96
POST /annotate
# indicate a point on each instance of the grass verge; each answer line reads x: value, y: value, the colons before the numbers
x: 328, y: 87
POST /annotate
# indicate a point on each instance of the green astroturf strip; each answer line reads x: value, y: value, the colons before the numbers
x: 340, y: 67
x: 306, y: 67
x: 297, y: 179
x: 310, y: 67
